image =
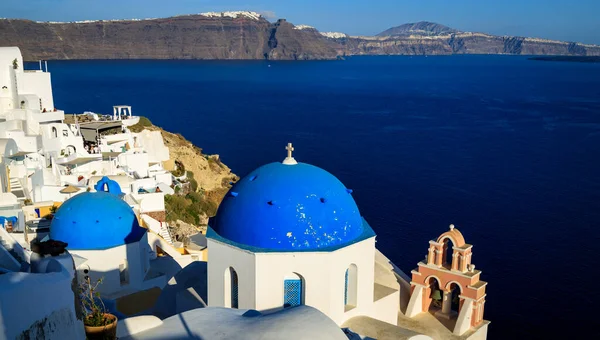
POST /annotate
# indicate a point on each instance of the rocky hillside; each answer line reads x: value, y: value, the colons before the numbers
x: 213, y: 178
x: 247, y: 35
x: 423, y: 28
x: 235, y: 35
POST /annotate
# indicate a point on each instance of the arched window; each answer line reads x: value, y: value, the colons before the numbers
x: 293, y: 290
x: 447, y: 252
x: 350, y: 288
x: 231, y: 288
x: 435, y: 295
x: 54, y: 132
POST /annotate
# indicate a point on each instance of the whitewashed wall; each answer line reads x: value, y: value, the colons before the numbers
x: 36, y: 306
x: 153, y: 143
x: 261, y: 275
x: 37, y: 83
x: 222, y: 256
x: 135, y: 162
x: 105, y: 264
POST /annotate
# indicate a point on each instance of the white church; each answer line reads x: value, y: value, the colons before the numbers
x: 290, y: 234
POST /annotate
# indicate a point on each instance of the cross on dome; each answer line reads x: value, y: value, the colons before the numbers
x: 289, y: 160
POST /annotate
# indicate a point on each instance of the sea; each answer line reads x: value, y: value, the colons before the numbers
x: 505, y: 148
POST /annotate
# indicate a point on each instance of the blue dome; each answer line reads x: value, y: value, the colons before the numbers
x: 289, y: 208
x: 95, y: 220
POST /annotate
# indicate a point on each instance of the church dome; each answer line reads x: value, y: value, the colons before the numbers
x: 95, y: 220
x: 289, y: 207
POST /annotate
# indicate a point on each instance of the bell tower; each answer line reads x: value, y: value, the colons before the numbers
x: 447, y: 278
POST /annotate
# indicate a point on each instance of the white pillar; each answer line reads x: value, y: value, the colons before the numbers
x: 415, y: 305
x: 463, y: 323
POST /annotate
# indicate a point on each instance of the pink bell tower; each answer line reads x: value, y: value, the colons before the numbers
x: 448, y: 269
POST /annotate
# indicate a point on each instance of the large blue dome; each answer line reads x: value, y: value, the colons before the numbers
x: 97, y: 220
x: 289, y: 208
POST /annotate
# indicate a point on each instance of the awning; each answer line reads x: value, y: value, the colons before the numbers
x: 70, y: 190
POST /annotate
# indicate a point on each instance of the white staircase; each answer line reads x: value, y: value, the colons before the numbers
x: 159, y: 228
x: 17, y: 189
x: 164, y: 233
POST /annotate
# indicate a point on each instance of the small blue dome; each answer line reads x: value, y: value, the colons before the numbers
x: 95, y: 220
x: 289, y: 208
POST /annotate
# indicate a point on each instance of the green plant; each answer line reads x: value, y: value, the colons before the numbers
x: 193, y: 182
x: 15, y: 64
x: 180, y: 169
x: 94, y: 310
x: 53, y: 209
x: 141, y: 125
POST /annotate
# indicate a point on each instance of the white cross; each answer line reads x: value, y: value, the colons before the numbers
x: 289, y: 149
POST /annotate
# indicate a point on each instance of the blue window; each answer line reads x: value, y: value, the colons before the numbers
x: 292, y: 293
x: 346, y: 288
x: 234, y: 290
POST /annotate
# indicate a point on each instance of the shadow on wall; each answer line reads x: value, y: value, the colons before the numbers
x: 187, y: 290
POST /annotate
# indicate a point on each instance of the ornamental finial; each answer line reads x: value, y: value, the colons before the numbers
x: 289, y: 160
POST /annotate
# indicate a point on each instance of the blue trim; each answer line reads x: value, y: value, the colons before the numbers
x: 366, y: 234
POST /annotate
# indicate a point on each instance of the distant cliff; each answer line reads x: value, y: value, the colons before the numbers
x: 247, y: 35
x: 241, y: 35
x: 430, y: 38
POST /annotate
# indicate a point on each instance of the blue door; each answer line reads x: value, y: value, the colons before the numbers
x: 292, y: 293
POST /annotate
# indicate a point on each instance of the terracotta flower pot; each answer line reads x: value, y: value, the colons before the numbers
x: 107, y: 332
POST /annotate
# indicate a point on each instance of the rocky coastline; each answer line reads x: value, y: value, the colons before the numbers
x: 249, y: 36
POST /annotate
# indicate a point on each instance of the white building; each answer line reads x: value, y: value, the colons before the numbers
x: 103, y: 234
x: 40, y: 155
x: 291, y: 234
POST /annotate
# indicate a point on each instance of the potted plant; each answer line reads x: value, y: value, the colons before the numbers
x: 98, y: 323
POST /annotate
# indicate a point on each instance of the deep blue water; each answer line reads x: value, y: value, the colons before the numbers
x: 505, y: 148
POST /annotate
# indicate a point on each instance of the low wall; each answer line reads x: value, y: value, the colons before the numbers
x: 39, y: 306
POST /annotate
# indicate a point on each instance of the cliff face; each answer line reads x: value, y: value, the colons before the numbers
x: 246, y: 35
x: 289, y: 43
x: 463, y: 43
x: 184, y: 37
x: 419, y: 28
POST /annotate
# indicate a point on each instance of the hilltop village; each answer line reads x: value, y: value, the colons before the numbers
x: 114, y: 201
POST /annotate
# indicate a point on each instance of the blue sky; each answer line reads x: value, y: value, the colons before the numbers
x: 575, y: 20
